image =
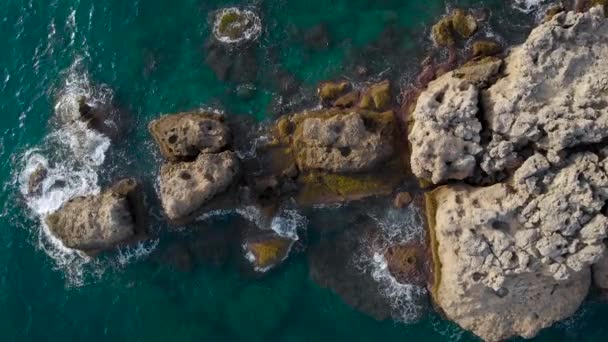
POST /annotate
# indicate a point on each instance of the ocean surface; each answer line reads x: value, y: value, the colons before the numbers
x: 151, y: 57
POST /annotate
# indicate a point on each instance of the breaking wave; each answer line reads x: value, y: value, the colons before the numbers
x: 397, y: 226
x: 66, y: 165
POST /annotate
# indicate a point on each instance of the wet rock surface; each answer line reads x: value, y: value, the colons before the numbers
x: 96, y: 223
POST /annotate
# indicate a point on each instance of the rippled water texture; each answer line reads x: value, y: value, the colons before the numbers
x: 146, y: 58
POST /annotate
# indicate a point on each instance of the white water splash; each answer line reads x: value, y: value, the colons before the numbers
x: 71, y: 156
x: 285, y: 224
x: 398, y: 226
x: 250, y: 32
x: 528, y: 6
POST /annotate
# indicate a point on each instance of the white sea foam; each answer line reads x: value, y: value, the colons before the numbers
x: 528, y: 6
x: 72, y: 155
x: 397, y: 226
x: 250, y: 33
x: 286, y: 223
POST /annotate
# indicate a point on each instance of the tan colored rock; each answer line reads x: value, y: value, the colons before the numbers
x: 183, y: 136
x: 558, y: 112
x: 186, y: 186
x: 515, y: 258
x: 349, y: 141
x: 100, y: 222
x: 445, y: 133
x: 402, y: 200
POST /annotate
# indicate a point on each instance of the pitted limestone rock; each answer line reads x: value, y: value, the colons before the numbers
x: 513, y: 245
x: 445, y: 134
x: 565, y: 110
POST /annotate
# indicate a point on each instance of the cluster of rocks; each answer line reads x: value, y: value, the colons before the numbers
x: 199, y: 164
x: 516, y: 255
x: 518, y: 233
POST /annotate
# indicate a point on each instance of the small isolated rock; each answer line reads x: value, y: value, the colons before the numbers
x: 377, y: 97
x: 329, y: 91
x: 484, y: 48
x: 183, y: 136
x: 34, y: 182
x: 185, y: 187
x: 402, y: 200
x: 100, y: 222
x: 233, y: 25
x: 267, y: 253
x: 407, y: 263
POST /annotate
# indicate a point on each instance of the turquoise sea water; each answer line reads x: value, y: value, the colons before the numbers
x: 153, y: 57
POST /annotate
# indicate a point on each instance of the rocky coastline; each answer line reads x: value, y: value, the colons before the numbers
x: 504, y: 155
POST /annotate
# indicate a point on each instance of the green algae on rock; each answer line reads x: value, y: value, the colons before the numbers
x: 458, y: 22
x: 267, y: 253
x: 485, y: 48
x: 234, y: 25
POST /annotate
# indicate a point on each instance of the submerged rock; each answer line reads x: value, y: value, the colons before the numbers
x: 600, y: 273
x: 402, y: 200
x: 96, y: 223
x: 186, y: 187
x: 183, y: 136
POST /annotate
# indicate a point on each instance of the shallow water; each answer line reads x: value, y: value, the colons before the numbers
x: 151, y: 57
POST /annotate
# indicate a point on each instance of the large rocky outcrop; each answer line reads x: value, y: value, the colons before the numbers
x: 513, y: 258
x: 523, y: 110
x: 340, y: 153
x: 553, y: 94
x: 183, y: 136
x: 200, y: 167
x: 185, y: 187
x: 100, y: 222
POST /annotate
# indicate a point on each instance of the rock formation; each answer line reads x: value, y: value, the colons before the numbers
x: 100, y: 222
x: 184, y: 136
x: 200, y: 167
x: 186, y: 186
x: 512, y: 258
x: 339, y: 153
